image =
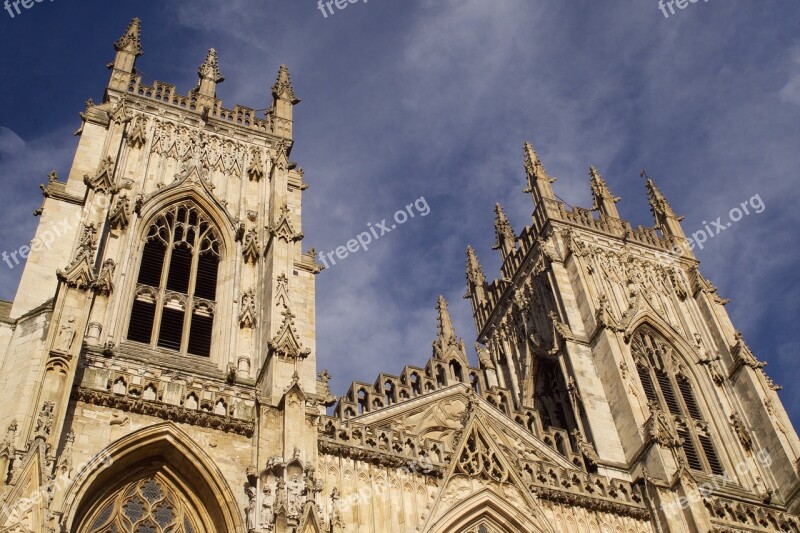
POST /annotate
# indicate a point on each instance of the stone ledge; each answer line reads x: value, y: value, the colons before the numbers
x: 165, y: 411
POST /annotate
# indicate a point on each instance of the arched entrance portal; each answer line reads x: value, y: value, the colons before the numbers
x: 158, y: 481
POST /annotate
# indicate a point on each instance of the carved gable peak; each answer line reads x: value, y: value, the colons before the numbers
x: 250, y: 249
x: 283, y: 229
x: 286, y: 343
x: 103, y: 181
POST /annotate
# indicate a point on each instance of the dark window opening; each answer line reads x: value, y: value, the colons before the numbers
x: 180, y: 269
x: 200, y: 335
x: 171, y: 330
x: 690, y: 450
x: 152, y: 263
x: 141, y: 324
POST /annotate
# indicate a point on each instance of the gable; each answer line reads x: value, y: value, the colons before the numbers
x: 441, y: 416
x: 482, y: 486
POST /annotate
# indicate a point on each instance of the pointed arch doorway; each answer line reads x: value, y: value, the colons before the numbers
x: 156, y: 480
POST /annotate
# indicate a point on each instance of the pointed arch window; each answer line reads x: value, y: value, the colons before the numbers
x: 667, y: 385
x: 151, y: 504
x: 175, y: 299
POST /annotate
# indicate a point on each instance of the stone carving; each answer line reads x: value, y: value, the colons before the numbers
x: 484, y: 357
x: 283, y: 229
x: 479, y: 459
x: 66, y: 334
x: 79, y: 272
x: 585, y: 447
x: 44, y: 422
x: 158, y: 409
x: 104, y: 284
x: 250, y: 510
x: 743, y: 356
x: 247, y: 310
x: 267, y: 514
x: 118, y: 217
x: 103, y: 180
x: 336, y: 514
x: 250, y: 248
x: 741, y: 432
x: 137, y: 134
x: 561, y: 331
x: 603, y: 316
x: 282, y: 291
x: 660, y: 428
x: 280, y: 497
x: 256, y: 169
x: 286, y: 342
x: 711, y: 364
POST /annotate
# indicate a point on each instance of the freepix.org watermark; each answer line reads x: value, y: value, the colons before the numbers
x: 363, y: 240
x: 715, y: 227
x: 54, y: 231
x: 699, y: 238
x: 17, y: 514
x: 12, y: 7
x: 326, y: 6
x: 672, y: 4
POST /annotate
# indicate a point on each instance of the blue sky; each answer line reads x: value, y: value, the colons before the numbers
x: 403, y: 99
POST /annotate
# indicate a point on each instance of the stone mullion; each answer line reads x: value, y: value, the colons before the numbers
x: 162, y: 289
x: 187, y: 317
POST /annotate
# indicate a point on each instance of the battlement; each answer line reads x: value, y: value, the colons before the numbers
x: 126, y: 78
x: 165, y: 93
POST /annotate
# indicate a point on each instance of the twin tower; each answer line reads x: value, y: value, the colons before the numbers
x: 158, y: 364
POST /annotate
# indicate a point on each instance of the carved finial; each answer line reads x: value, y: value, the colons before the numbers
x: 474, y: 270
x: 446, y: 330
x: 658, y: 203
x: 282, y: 89
x: 505, y: 240
x: 131, y: 41
x: 603, y: 199
x: 665, y: 217
x: 209, y: 70
x: 446, y: 344
x: 533, y: 165
x: 538, y: 179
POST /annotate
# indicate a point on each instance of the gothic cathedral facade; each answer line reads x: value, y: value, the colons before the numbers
x: 158, y: 366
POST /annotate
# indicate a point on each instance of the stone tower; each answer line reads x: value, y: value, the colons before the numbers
x: 158, y: 364
x: 166, y: 307
x: 613, y: 335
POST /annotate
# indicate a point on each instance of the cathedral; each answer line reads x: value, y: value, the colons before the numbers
x: 158, y: 365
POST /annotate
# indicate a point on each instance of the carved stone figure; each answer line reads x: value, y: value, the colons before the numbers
x: 250, y: 511
x: 66, y: 334
x: 742, y: 432
x: 294, y: 492
x: 267, y: 514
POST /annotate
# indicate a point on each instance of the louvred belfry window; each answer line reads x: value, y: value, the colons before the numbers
x: 667, y: 386
x: 173, y: 307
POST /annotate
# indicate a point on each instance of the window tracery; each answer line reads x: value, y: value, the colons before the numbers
x: 667, y: 386
x: 174, y: 300
x: 149, y: 505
